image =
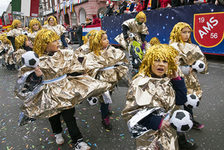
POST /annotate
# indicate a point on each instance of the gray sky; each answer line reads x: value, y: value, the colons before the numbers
x: 3, y: 5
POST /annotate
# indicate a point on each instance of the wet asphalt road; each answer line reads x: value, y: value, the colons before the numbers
x: 38, y: 135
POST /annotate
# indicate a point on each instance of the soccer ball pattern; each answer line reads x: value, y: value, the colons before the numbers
x: 199, y: 66
x: 30, y: 59
x: 92, y: 100
x: 192, y: 101
x: 181, y: 121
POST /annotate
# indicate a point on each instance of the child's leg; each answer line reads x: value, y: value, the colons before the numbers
x: 104, y: 108
x: 183, y: 143
x: 196, y: 125
x: 70, y: 120
x: 56, y: 124
x: 63, y: 40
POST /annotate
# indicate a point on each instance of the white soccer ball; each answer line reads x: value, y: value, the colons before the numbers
x: 92, y: 100
x: 30, y: 59
x: 199, y: 66
x: 181, y: 121
x: 192, y: 101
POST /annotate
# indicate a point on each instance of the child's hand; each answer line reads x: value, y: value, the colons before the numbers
x: 165, y: 124
x: 38, y: 72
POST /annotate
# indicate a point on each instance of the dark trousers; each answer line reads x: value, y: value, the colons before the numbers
x: 190, y: 110
x: 70, y: 120
x: 80, y: 40
x: 104, y: 108
x: 64, y: 43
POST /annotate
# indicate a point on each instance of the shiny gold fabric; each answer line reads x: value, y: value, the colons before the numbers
x: 18, y: 56
x: 8, y: 56
x: 64, y: 94
x: 32, y: 35
x: 188, y: 54
x: 134, y: 28
x: 148, y: 92
x: 15, y: 32
x: 109, y: 57
x: 82, y: 50
x: 59, y: 29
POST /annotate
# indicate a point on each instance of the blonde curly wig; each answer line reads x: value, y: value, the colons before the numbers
x: 15, y: 23
x: 175, y: 35
x: 159, y: 52
x: 43, y: 38
x: 33, y: 22
x: 4, y: 39
x: 154, y: 41
x: 141, y: 14
x: 52, y: 17
x: 90, y: 33
x: 20, y: 40
x: 95, y: 44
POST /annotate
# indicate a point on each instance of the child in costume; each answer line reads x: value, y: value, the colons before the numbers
x: 23, y: 44
x: 133, y: 40
x: 188, y: 54
x: 134, y: 26
x: 16, y: 30
x: 34, y: 27
x: 6, y: 52
x: 55, y: 86
x: 155, y: 91
x: 59, y: 29
x: 105, y: 63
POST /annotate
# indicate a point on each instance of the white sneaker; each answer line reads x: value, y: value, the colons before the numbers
x: 82, y: 146
x: 59, y: 139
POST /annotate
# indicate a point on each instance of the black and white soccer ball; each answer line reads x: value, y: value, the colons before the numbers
x: 30, y: 59
x: 92, y: 100
x: 181, y: 121
x: 192, y: 101
x: 199, y: 66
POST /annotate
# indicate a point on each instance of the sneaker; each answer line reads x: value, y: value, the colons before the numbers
x: 197, y: 125
x: 59, y: 139
x: 82, y: 146
x: 188, y: 146
x: 106, y: 123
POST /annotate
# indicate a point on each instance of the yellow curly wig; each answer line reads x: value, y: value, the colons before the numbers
x: 175, y: 35
x: 33, y: 22
x: 154, y: 41
x: 43, y: 38
x: 90, y: 33
x: 20, y: 40
x: 15, y: 23
x: 158, y: 52
x: 141, y: 14
x: 95, y: 44
x: 4, y: 39
x: 52, y: 17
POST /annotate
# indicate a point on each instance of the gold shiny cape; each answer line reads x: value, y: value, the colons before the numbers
x: 97, y: 66
x: 18, y: 56
x: 149, y: 93
x: 134, y: 28
x: 59, y: 29
x: 188, y: 54
x: 54, y: 97
x: 8, y: 56
x: 15, y: 32
x: 32, y: 35
x: 82, y: 50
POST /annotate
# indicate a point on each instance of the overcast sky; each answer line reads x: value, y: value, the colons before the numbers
x: 3, y: 5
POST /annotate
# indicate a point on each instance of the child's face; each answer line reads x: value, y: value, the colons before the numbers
x: 51, y: 22
x: 141, y: 20
x: 159, y: 67
x: 104, y: 41
x: 29, y: 43
x: 53, y: 46
x: 19, y: 25
x: 185, y: 34
x: 36, y: 27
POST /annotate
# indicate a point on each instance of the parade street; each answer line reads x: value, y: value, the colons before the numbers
x: 38, y: 134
